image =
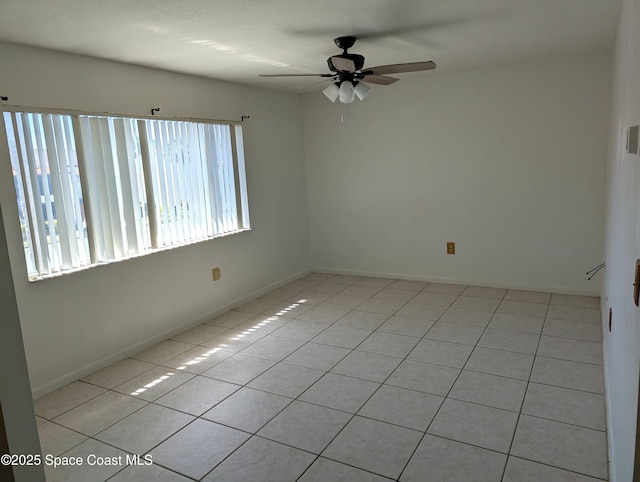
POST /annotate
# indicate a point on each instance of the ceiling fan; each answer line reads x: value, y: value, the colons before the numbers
x: 349, y: 75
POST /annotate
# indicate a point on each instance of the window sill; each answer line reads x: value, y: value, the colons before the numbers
x: 36, y: 278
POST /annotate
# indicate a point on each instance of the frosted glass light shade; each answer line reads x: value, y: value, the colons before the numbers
x: 361, y: 90
x: 347, y: 93
x: 332, y: 92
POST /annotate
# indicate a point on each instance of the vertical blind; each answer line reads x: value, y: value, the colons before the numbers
x: 93, y: 189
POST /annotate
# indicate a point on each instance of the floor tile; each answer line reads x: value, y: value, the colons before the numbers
x: 375, y: 282
x: 197, y: 395
x: 342, y: 336
x: 453, y: 333
x: 425, y: 377
x: 323, y: 314
x: 509, y: 341
x: 441, y: 353
x: 576, y: 301
x: 56, y: 439
x: 324, y: 470
x: 318, y: 356
x: 490, y: 390
x: 476, y: 303
x: 478, y: 425
x: 198, y: 448
x: 466, y: 317
x: 519, y: 323
x: 144, y: 429
x: 65, y: 398
x: 520, y: 470
x: 394, y: 294
x: 263, y: 460
x: 575, y: 330
x: 445, y: 288
x: 230, y: 319
x: 232, y: 341
x: 163, y: 351
x: 287, y: 310
x: 501, y: 363
x: 570, y: 313
x: 436, y: 299
x: 199, y: 334
x: 256, y: 306
x: 239, y: 369
x: 545, y: 441
x: 528, y: 296
x: 523, y: 308
x: 324, y: 287
x: 305, y: 426
x: 381, y: 306
x: 145, y: 473
x: 568, y: 374
x: 100, y: 412
x: 399, y: 406
x: 278, y: 295
x: 118, y: 373
x: 367, y: 366
x: 567, y: 349
x: 386, y: 452
x: 247, y: 409
x: 86, y: 472
x: 154, y: 383
x: 402, y: 325
x: 389, y: 344
x: 346, y: 302
x: 198, y: 359
x: 359, y: 290
x: 286, y: 380
x: 363, y: 319
x: 485, y: 292
x: 300, y: 330
x: 273, y: 347
x: 440, y: 460
x: 345, y: 279
x: 409, y: 285
x: 424, y: 312
x: 340, y: 392
x: 259, y: 325
x: 565, y: 405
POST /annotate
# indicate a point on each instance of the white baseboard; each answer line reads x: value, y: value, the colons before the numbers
x: 158, y: 337
x: 466, y: 281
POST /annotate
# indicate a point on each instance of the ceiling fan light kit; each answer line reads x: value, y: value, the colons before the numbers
x: 348, y: 73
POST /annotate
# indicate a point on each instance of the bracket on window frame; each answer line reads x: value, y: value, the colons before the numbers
x: 154, y: 110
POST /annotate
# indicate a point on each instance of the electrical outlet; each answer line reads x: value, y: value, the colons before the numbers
x: 216, y: 274
x: 451, y: 248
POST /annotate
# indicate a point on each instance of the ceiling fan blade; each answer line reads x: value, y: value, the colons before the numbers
x: 379, y: 79
x: 296, y: 75
x: 342, y: 64
x: 401, y: 68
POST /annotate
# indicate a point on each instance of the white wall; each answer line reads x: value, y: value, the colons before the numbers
x: 508, y: 162
x: 622, y: 345
x: 79, y: 322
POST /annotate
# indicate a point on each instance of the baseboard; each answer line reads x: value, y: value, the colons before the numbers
x: 466, y: 281
x: 158, y: 337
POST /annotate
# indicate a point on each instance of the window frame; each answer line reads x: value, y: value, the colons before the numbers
x: 241, y: 202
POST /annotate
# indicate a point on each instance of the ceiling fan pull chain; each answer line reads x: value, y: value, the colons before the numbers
x: 345, y: 112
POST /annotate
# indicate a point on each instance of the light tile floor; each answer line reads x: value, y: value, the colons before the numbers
x: 343, y: 378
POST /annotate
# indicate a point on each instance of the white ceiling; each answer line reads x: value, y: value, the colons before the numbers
x: 238, y: 39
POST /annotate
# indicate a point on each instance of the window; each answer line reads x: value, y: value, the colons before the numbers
x: 93, y: 189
